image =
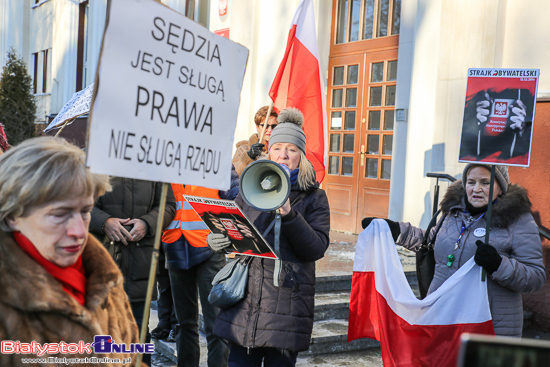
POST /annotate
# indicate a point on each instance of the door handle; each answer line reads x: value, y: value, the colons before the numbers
x: 362, y: 152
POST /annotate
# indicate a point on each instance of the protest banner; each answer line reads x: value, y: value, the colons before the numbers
x: 165, y: 103
x: 498, y: 118
x: 168, y: 92
x: 225, y: 216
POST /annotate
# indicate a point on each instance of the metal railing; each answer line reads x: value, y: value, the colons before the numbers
x: 438, y: 176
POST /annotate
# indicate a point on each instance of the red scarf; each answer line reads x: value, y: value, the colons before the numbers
x: 72, y: 278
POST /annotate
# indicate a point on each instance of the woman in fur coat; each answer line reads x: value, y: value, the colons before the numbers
x: 58, y: 283
x: 274, y: 322
x: 250, y: 150
x: 513, y: 256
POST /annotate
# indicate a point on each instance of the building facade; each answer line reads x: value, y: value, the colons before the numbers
x: 395, y: 72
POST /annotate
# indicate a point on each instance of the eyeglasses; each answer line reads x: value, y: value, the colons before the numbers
x: 272, y: 126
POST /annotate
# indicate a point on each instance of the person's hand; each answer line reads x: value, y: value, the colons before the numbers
x: 217, y: 241
x: 285, y: 209
x: 394, y: 226
x: 255, y: 150
x: 244, y: 229
x: 487, y: 257
x: 483, y: 108
x: 517, y: 117
x: 114, y: 229
x: 139, y: 229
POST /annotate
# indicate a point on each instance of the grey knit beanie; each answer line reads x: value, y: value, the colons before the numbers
x: 289, y: 129
x: 501, y: 174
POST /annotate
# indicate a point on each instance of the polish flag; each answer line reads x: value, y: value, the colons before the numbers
x: 298, y: 83
x: 412, y: 332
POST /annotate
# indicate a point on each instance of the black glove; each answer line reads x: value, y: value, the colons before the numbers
x: 487, y: 257
x: 394, y: 226
x: 255, y: 150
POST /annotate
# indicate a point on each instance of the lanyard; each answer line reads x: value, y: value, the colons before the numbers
x: 464, y: 228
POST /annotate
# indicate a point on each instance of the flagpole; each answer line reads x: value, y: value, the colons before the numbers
x: 67, y: 122
x: 265, y: 122
x: 152, y: 271
x: 489, y: 212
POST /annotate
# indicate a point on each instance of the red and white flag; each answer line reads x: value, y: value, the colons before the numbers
x: 412, y: 332
x: 298, y: 83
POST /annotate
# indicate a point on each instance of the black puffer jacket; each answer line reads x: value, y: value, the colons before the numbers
x: 132, y: 199
x: 282, y: 317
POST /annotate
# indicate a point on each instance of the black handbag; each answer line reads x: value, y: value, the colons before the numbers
x: 425, y: 259
x: 229, y: 284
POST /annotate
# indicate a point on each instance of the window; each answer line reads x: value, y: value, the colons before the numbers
x: 344, y: 122
x: 44, y: 71
x: 367, y: 19
x: 82, y: 45
x: 381, y: 114
x: 41, y: 71
x: 35, y: 72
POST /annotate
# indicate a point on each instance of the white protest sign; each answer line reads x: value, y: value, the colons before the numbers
x: 167, y: 97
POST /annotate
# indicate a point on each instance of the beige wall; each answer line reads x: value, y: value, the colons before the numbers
x: 262, y: 26
x: 439, y: 41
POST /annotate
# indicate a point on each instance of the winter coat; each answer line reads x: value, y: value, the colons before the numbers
x: 281, y: 317
x: 514, y: 234
x: 241, y: 158
x: 132, y: 198
x: 34, y: 306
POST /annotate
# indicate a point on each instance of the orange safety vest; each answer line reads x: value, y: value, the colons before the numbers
x: 187, y: 221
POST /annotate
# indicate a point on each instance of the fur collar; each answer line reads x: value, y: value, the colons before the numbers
x: 30, y: 288
x: 506, y: 210
x: 253, y: 139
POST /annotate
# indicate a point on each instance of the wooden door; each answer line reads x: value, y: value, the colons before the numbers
x: 360, y: 109
x: 374, y: 171
x: 344, y: 117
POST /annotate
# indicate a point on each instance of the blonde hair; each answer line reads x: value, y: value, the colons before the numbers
x: 306, y: 176
x: 43, y: 170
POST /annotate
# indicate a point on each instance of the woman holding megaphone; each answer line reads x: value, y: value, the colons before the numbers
x: 274, y: 321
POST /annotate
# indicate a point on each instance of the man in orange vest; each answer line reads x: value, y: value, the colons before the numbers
x: 192, y: 266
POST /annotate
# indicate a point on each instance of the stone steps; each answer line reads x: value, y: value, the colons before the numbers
x: 330, y: 336
x: 332, y: 297
x: 331, y: 306
x: 330, y: 327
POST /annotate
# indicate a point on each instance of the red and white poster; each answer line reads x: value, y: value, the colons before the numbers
x: 498, y: 116
x: 225, y: 216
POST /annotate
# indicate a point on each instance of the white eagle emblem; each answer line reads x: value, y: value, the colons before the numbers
x: 501, y: 108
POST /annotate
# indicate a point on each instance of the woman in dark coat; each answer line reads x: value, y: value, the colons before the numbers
x: 513, y: 256
x: 126, y: 219
x: 273, y: 323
